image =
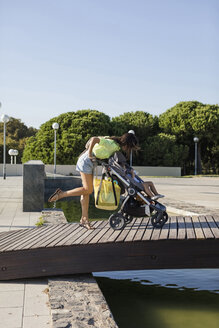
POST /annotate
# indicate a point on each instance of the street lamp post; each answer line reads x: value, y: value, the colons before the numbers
x: 4, y: 119
x: 55, y: 127
x: 196, y: 140
x: 130, y: 161
x: 15, y: 154
x: 11, y: 153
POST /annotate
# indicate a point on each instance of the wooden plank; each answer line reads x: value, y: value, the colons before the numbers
x: 103, y: 229
x: 156, y: 234
x: 57, y: 236
x: 24, y: 237
x: 125, y: 231
x: 88, y: 232
x: 2, y: 233
x: 109, y: 236
x: 80, y: 232
x: 173, y: 228
x: 38, y: 238
x: 101, y: 225
x: 9, y: 234
x: 205, y: 227
x: 197, y: 227
x: 141, y: 229
x: 5, y: 234
x: 71, y: 236
x: 212, y: 225
x: 181, y: 228
x: 148, y: 231
x: 190, y: 232
x: 134, y: 230
x: 216, y: 219
x: 11, y: 238
x: 165, y: 231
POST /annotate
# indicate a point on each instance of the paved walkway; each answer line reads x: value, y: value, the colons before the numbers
x: 197, y: 191
x: 23, y: 303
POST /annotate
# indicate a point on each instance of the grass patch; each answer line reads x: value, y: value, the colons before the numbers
x: 72, y: 210
x: 40, y: 222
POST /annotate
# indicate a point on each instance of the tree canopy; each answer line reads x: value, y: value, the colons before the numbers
x: 162, y: 150
x: 75, y: 128
x: 189, y: 119
x: 166, y: 140
x: 17, y: 134
x: 143, y: 123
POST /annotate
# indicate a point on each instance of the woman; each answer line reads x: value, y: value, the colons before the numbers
x: 102, y: 148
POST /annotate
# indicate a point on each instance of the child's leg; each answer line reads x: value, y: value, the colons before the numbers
x: 152, y: 187
x: 147, y: 189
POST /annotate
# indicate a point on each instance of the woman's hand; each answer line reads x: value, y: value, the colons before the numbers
x: 92, y: 158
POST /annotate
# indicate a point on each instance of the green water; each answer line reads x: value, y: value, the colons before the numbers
x: 139, y: 306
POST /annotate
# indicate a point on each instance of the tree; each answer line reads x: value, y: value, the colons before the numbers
x: 75, y: 128
x: 17, y: 134
x: 144, y: 125
x: 191, y: 118
x: 162, y: 150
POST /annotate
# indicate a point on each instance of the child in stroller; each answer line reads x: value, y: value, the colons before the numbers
x: 136, y: 202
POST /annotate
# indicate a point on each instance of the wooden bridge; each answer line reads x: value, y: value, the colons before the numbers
x: 183, y: 242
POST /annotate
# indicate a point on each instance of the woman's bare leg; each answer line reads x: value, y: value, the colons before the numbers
x: 84, y: 208
x: 87, y: 182
x: 86, y: 189
x: 84, y: 192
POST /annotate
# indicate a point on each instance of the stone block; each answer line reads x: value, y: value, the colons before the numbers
x: 33, y: 186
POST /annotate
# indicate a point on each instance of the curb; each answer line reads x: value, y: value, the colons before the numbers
x: 181, y: 212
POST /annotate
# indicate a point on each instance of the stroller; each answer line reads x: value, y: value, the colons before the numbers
x: 135, y: 202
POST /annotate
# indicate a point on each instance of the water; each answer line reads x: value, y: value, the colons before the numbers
x: 162, y: 298
x: 155, y: 298
x: 193, y: 279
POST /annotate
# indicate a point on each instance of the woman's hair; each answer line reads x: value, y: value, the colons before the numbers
x: 129, y: 141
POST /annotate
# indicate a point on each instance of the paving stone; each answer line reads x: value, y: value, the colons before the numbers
x: 11, y: 317
x: 9, y: 299
x: 37, y: 322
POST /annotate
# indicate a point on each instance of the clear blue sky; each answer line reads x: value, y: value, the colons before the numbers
x: 114, y: 56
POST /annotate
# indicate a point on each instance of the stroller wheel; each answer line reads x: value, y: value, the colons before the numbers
x: 128, y: 219
x: 165, y: 215
x: 117, y: 221
x: 159, y: 219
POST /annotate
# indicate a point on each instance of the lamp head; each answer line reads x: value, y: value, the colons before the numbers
x: 5, y: 118
x: 55, y: 126
x: 11, y: 152
x: 196, y: 139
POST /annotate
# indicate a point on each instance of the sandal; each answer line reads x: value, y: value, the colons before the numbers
x: 86, y: 225
x: 55, y: 195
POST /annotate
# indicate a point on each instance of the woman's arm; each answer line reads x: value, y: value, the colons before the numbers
x: 94, y: 141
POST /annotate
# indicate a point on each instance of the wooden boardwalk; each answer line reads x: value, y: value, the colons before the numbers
x: 183, y: 242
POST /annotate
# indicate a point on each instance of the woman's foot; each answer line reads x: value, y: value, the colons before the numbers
x: 86, y: 224
x: 55, y: 196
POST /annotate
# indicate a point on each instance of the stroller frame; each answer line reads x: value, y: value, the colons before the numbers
x: 132, y: 207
